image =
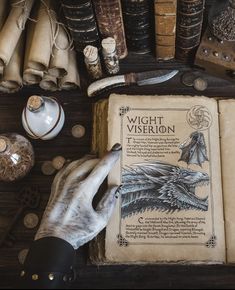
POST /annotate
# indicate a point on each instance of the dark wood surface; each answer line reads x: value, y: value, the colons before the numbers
x: 78, y: 109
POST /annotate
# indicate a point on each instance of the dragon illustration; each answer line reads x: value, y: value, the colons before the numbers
x: 162, y: 187
x: 194, y: 149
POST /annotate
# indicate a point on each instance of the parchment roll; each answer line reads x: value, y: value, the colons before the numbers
x: 49, y: 83
x: 60, y: 54
x: 43, y: 37
x: 12, y: 77
x: 13, y: 28
x: 72, y: 79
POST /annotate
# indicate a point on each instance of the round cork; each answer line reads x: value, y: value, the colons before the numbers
x: 48, y: 168
x: 3, y: 145
x: 34, y: 103
x: 91, y: 53
x: 200, y: 84
x: 109, y: 45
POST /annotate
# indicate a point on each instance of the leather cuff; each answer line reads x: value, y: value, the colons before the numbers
x: 49, y: 265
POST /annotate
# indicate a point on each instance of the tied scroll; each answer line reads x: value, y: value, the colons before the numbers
x: 12, y: 78
x: 43, y: 37
x: 13, y: 28
x: 49, y: 83
x: 3, y: 16
x: 72, y: 79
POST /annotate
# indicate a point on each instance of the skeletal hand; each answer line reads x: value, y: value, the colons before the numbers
x: 69, y: 214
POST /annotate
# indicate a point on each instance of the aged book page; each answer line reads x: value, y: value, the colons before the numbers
x: 227, y: 133
x: 170, y: 207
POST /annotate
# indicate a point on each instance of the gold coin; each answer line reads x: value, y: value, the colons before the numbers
x: 48, y: 168
x: 22, y: 256
x: 58, y: 162
x: 31, y: 221
x: 200, y: 84
x: 78, y: 131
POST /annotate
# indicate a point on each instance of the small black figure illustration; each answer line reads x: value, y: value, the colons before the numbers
x: 194, y: 149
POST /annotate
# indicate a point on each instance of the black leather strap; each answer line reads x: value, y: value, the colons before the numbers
x: 49, y: 265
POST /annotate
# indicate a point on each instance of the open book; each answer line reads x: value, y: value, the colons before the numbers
x: 171, y: 206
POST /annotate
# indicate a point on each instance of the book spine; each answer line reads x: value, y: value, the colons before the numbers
x: 80, y: 18
x: 138, y: 19
x: 110, y: 23
x: 189, y: 28
x: 165, y: 28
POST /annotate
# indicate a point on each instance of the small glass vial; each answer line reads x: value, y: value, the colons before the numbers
x: 92, y: 61
x: 111, y: 59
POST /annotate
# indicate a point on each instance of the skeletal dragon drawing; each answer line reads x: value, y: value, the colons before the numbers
x: 162, y: 187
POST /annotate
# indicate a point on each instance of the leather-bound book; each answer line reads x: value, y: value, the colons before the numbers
x: 189, y: 28
x: 110, y: 23
x: 80, y: 18
x: 165, y: 21
x: 139, y: 25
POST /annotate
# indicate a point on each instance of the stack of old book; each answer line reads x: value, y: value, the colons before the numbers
x: 110, y: 23
x: 81, y: 22
x: 138, y: 25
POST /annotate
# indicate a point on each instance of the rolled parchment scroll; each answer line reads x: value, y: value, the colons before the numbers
x: 59, y: 62
x: 40, y: 51
x: 13, y: 28
x: 12, y: 77
x: 49, y: 83
x: 72, y: 79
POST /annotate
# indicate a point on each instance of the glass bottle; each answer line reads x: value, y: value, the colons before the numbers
x: 110, y: 56
x: 16, y: 157
x: 43, y: 118
x: 92, y: 61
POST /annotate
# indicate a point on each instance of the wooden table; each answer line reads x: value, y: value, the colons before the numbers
x: 78, y: 109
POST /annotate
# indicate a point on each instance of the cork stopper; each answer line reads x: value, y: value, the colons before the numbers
x: 35, y: 103
x: 3, y: 145
x: 91, y: 53
x: 109, y: 45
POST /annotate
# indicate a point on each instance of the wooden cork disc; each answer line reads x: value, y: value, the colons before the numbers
x: 34, y: 103
x: 58, y: 162
x: 91, y: 53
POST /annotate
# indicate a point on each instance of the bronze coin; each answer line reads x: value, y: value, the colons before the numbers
x: 188, y: 79
x: 48, y: 168
x: 200, y: 84
x: 31, y: 221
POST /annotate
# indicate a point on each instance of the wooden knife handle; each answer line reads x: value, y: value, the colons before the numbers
x: 109, y: 83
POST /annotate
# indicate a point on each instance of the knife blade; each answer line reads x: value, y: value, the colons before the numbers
x: 141, y: 79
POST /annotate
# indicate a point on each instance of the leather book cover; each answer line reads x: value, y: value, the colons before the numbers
x: 110, y: 23
x: 80, y: 18
x: 165, y: 22
x: 189, y: 28
x: 139, y: 25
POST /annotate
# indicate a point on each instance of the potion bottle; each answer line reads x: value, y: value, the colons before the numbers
x: 43, y: 118
x: 16, y: 157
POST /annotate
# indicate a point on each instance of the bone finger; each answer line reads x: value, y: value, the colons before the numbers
x: 106, y: 206
x: 62, y: 175
x: 71, y: 187
x: 100, y: 172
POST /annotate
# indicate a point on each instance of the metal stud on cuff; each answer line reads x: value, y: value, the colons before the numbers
x: 51, y: 277
x: 35, y: 277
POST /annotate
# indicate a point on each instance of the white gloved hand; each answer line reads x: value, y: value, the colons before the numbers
x: 69, y: 214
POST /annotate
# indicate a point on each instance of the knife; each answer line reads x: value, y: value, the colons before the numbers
x: 141, y: 79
